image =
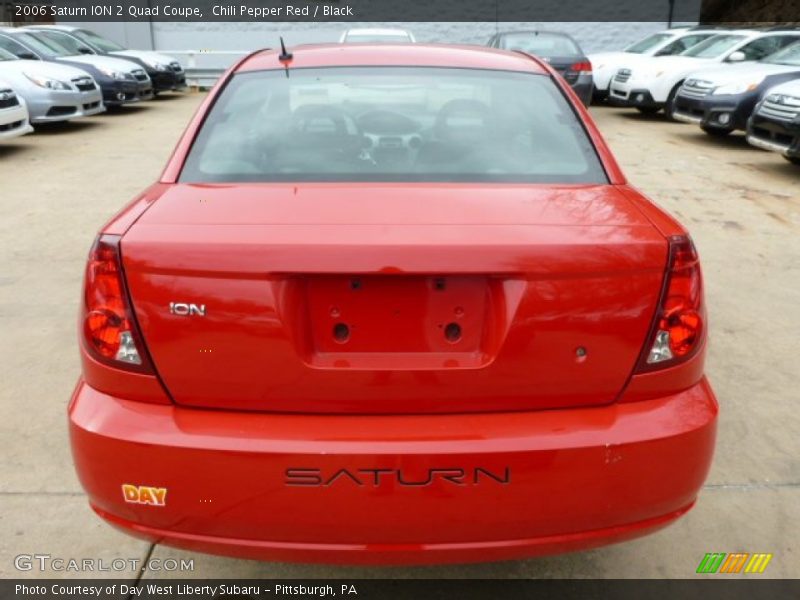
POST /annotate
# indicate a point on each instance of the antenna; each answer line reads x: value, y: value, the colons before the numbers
x: 284, y: 55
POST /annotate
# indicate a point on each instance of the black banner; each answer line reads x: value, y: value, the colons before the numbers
x: 713, y: 588
x: 673, y: 11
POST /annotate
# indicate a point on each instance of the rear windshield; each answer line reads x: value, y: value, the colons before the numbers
x: 541, y: 44
x: 648, y: 43
x: 392, y: 124
x: 713, y: 46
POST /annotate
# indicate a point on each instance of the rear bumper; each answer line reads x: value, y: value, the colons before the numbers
x: 394, y: 489
x: 584, y: 88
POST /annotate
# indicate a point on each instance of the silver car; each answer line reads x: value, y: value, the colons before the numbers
x: 53, y: 92
x: 121, y: 81
x: 13, y: 113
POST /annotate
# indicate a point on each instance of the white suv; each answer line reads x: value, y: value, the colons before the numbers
x: 651, y: 84
x: 664, y: 43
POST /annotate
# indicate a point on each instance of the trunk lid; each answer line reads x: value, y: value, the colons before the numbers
x: 361, y: 298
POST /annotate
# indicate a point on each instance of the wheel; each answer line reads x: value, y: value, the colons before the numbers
x: 716, y: 131
x: 670, y: 105
x: 599, y: 96
x: 648, y: 110
x: 795, y: 160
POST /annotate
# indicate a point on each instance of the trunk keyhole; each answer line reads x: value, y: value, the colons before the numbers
x: 452, y: 332
x: 341, y: 332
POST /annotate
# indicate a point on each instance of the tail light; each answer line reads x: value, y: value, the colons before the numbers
x: 581, y: 66
x: 678, y: 329
x: 110, y: 332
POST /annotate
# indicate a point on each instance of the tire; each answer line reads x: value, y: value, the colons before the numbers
x: 795, y: 160
x: 648, y: 110
x: 670, y: 104
x: 715, y: 131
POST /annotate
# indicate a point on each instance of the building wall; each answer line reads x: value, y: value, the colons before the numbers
x: 592, y: 36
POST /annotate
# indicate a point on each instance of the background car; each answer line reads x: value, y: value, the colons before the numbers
x: 13, y: 113
x: 52, y: 91
x: 376, y: 36
x: 722, y: 100
x: 559, y: 49
x: 652, y: 83
x: 165, y: 72
x: 665, y: 43
x: 775, y: 123
x: 121, y: 81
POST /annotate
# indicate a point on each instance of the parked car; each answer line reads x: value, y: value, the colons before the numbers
x: 13, y: 113
x: 423, y: 289
x: 52, y: 91
x: 775, y: 123
x: 558, y: 49
x: 652, y: 84
x: 722, y: 100
x: 120, y: 81
x: 665, y: 43
x: 164, y: 71
x: 376, y: 36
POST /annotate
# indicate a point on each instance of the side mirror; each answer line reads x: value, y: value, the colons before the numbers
x: 84, y: 50
x: 27, y: 56
x: 737, y: 56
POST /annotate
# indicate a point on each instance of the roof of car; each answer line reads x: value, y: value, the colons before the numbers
x: 376, y: 31
x: 56, y: 27
x: 533, y: 31
x: 411, y: 55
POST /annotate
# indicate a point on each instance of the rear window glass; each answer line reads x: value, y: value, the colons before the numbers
x: 541, y: 44
x: 392, y: 124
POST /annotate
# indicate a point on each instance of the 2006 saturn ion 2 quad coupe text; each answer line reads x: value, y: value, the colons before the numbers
x: 392, y: 304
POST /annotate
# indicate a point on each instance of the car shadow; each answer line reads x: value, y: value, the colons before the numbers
x: 66, y: 127
x: 9, y: 149
x: 168, y: 96
x: 635, y: 115
x: 557, y: 566
x: 781, y: 167
x: 128, y: 109
x: 734, y: 141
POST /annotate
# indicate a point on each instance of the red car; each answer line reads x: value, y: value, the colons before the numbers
x: 392, y: 304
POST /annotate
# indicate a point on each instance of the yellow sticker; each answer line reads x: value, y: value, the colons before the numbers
x: 144, y: 494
